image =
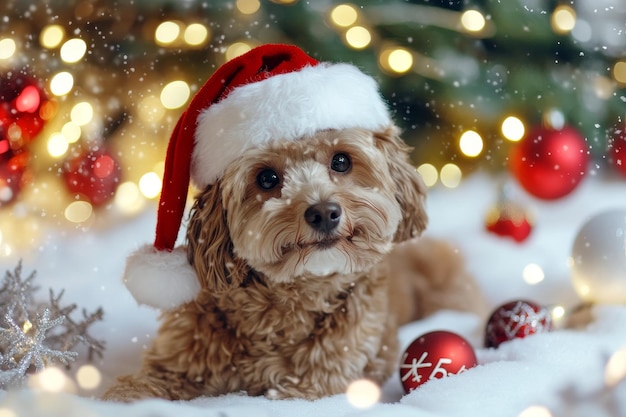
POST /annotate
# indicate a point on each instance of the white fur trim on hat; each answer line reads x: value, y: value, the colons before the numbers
x: 161, y: 279
x: 284, y: 107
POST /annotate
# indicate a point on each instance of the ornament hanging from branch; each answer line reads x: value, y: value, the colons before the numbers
x: 550, y: 162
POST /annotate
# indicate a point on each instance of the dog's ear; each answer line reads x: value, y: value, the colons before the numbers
x: 209, y: 247
x: 410, y: 189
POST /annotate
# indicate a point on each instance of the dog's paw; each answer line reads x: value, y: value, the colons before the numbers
x: 289, y: 387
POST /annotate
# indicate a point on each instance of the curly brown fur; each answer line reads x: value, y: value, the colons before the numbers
x: 287, y: 310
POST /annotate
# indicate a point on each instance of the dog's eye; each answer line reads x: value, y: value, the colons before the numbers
x: 267, y: 179
x: 340, y: 163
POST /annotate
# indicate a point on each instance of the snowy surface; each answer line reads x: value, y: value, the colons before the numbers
x: 562, y: 370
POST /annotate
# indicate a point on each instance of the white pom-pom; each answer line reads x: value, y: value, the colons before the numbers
x: 161, y: 279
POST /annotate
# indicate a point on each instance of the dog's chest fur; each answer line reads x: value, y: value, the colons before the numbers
x: 258, y: 338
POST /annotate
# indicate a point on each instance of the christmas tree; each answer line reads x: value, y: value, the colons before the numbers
x: 91, y: 89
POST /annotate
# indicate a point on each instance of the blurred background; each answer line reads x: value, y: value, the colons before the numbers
x: 90, y: 90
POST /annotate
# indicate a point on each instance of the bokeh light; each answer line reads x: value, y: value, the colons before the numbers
x: 57, y: 145
x: 28, y: 100
x: 71, y: 131
x: 82, y: 113
x: 363, y: 393
x: 73, y: 50
x: 51, y: 379
x: 167, y: 33
x: 248, y: 6
x: 150, y: 185
x: 450, y: 175
x: 557, y: 313
x: 7, y: 48
x: 563, y: 19
x: 358, y: 37
x: 396, y: 60
x: 236, y: 49
x: 344, y: 15
x: 78, y: 211
x: 429, y: 174
x: 175, y: 94
x: 196, y: 34
x: 128, y: 198
x: 533, y: 274
x: 51, y: 36
x: 513, y: 129
x: 471, y: 143
x: 619, y: 72
x: 150, y: 109
x: 61, y: 83
x: 88, y: 377
x: 615, y: 371
x: 473, y: 21
x: 7, y: 412
x: 536, y: 411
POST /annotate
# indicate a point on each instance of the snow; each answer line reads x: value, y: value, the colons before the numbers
x: 562, y: 370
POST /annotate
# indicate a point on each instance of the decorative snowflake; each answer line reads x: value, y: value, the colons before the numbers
x: 28, y: 345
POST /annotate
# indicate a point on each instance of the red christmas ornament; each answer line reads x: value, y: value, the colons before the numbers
x: 516, y: 320
x: 94, y: 175
x: 618, y: 150
x: 508, y: 220
x: 22, y: 103
x: 12, y: 175
x: 435, y: 355
x: 550, y: 163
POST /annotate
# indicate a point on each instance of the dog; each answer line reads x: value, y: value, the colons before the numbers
x: 309, y: 257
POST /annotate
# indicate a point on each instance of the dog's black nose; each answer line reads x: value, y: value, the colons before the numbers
x: 323, y: 216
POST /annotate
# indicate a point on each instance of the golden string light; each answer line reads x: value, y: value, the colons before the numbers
x: 450, y: 175
x: 248, y: 6
x: 471, y: 143
x: 7, y: 48
x: 513, y: 128
x: 173, y: 33
x: 236, y: 49
x: 563, y: 19
x: 396, y: 60
x: 167, y: 32
x: 61, y: 83
x: 73, y: 50
x: 344, y: 15
x: 358, y: 37
x: 51, y: 36
x: 57, y: 145
x: 175, y: 94
x: 196, y: 34
x: 429, y: 174
x: 473, y: 21
x: 82, y: 113
x: 619, y: 72
x: 150, y: 185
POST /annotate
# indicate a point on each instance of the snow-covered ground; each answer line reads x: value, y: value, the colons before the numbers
x: 562, y: 370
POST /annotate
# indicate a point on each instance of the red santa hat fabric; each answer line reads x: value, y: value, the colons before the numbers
x: 274, y: 92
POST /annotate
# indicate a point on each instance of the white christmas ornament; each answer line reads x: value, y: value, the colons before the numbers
x: 598, y: 261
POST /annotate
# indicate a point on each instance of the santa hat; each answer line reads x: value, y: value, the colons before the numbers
x: 272, y: 93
